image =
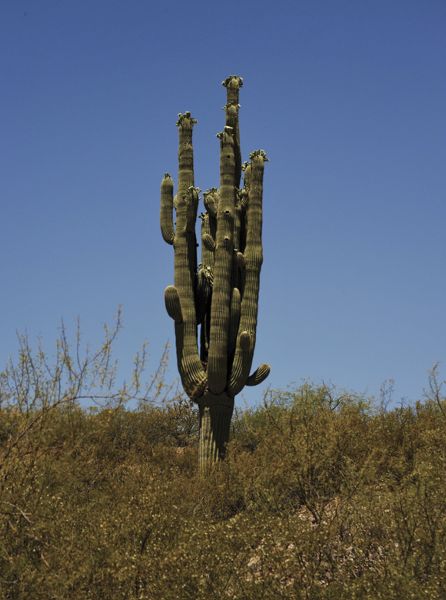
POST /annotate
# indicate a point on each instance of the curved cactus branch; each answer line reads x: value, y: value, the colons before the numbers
x: 242, y: 363
x: 259, y: 375
x: 173, y: 305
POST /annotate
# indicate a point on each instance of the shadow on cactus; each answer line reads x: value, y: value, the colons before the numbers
x: 214, y: 303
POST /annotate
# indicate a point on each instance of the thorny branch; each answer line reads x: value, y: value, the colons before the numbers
x: 35, y: 384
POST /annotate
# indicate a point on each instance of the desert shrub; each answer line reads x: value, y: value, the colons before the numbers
x: 322, y: 496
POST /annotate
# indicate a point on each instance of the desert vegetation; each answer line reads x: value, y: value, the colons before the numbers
x: 322, y: 495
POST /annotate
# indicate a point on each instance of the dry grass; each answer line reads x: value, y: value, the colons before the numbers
x: 320, y: 498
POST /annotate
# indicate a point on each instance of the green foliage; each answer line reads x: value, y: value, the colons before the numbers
x: 321, y: 497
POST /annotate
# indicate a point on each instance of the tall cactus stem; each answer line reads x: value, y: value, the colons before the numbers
x: 192, y: 373
x: 221, y: 294
x: 233, y: 83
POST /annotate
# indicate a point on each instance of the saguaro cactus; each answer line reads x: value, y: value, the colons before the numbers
x: 220, y: 294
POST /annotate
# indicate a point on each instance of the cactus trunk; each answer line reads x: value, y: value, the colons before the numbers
x: 220, y: 295
x: 215, y: 423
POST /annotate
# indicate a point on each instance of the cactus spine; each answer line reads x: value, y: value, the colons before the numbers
x: 220, y: 294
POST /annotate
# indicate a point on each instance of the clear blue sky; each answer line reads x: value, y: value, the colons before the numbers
x: 347, y: 97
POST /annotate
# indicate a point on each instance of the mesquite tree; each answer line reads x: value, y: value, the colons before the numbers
x: 220, y: 294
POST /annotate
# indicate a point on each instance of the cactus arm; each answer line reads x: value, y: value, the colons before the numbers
x: 166, y: 209
x: 208, y: 242
x: 238, y: 235
x: 246, y: 168
x: 238, y: 221
x: 234, y: 320
x: 232, y: 122
x: 173, y: 305
x: 233, y: 83
x: 253, y: 251
x: 191, y: 370
x: 243, y: 199
x: 259, y: 375
x: 185, y: 124
x: 211, y: 198
x: 239, y: 267
x: 204, y: 292
x: 205, y: 281
x: 204, y: 295
x: 221, y: 294
x: 253, y: 256
x: 242, y: 363
x: 209, y: 226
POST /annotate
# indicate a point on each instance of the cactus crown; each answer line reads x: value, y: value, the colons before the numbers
x: 186, y: 120
x: 258, y: 154
x: 233, y: 81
